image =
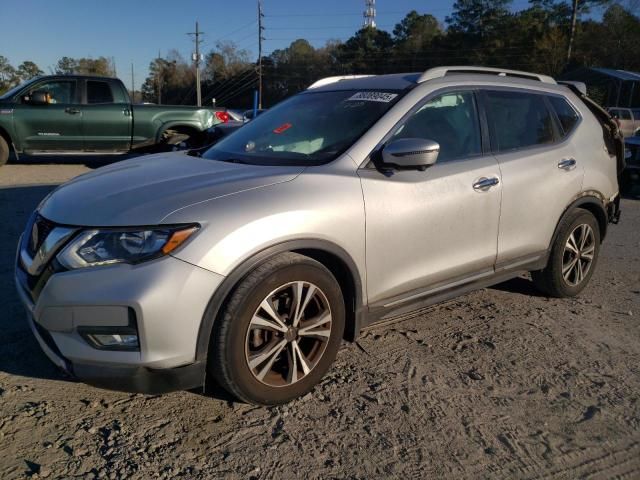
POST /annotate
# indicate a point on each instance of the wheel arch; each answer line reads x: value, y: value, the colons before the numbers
x: 5, y: 134
x: 591, y: 201
x: 178, y: 125
x: 333, y: 257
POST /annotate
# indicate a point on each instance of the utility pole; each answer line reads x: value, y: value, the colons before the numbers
x: 159, y: 79
x: 260, y: 39
x: 133, y: 86
x: 197, y: 58
x: 572, y: 34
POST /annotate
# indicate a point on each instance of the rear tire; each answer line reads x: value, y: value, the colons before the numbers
x: 573, y: 256
x: 279, y: 332
x: 4, y: 151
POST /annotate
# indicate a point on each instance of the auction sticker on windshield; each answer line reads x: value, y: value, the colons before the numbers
x: 384, y: 97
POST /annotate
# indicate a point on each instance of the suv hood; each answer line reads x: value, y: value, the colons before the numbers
x: 143, y: 191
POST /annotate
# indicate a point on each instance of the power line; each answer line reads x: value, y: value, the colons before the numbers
x: 228, y: 34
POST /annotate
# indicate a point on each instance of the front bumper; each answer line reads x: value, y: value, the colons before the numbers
x: 124, y: 378
x: 167, y: 298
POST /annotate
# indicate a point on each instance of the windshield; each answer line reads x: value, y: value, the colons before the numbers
x: 14, y: 90
x: 308, y: 129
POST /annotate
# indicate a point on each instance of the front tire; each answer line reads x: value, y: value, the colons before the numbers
x: 4, y: 151
x: 279, y: 332
x: 573, y: 256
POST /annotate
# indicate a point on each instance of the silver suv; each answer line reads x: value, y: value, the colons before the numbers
x: 357, y: 200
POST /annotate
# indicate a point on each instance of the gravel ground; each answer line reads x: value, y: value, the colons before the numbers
x: 501, y: 383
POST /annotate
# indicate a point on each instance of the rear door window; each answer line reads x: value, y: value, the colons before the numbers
x: 567, y: 116
x: 518, y: 120
x: 99, y: 92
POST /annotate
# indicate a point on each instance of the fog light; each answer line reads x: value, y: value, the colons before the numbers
x: 124, y: 338
x: 127, y: 341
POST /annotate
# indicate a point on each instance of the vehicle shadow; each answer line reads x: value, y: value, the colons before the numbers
x: 520, y: 285
x: 20, y: 353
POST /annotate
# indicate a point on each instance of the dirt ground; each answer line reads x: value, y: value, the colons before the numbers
x: 501, y: 383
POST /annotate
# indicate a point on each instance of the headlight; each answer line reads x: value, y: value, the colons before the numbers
x: 103, y: 247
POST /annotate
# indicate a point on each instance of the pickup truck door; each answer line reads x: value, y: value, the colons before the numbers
x: 106, y: 117
x: 56, y: 126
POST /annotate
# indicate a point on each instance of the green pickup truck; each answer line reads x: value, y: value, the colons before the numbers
x: 91, y: 115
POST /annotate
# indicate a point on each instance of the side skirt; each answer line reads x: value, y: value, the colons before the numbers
x: 389, y: 310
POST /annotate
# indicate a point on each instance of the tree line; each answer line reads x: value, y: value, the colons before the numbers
x: 549, y: 36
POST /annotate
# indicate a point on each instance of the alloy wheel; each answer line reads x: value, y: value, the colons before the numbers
x: 579, y: 251
x: 288, y: 334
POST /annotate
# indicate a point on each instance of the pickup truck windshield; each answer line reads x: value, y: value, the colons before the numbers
x: 308, y: 129
x: 14, y: 90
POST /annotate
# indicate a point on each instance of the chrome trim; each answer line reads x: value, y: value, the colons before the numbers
x: 485, y: 183
x: 56, y: 238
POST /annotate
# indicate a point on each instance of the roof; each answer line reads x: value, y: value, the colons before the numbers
x: 619, y: 74
x: 396, y: 81
x: 402, y: 81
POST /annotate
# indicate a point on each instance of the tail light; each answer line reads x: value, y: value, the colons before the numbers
x: 222, y: 116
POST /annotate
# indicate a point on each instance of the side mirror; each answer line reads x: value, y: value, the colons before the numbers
x: 39, y: 97
x: 411, y: 153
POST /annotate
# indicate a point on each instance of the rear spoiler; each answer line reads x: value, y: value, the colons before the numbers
x: 613, y: 138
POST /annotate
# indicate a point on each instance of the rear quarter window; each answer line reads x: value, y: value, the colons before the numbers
x: 99, y: 92
x: 567, y: 116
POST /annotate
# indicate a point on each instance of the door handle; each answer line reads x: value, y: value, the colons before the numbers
x: 567, y: 164
x: 71, y: 111
x: 484, y: 183
x: 126, y: 112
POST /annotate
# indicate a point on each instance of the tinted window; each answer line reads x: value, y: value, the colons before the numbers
x: 636, y: 114
x: 99, y: 92
x: 60, y: 91
x: 451, y: 120
x: 625, y: 115
x: 518, y: 120
x: 566, y: 114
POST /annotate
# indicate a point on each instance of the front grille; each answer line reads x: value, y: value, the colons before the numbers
x: 37, y: 232
x: 33, y: 284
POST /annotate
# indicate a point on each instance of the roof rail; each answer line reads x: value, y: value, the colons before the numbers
x: 439, y: 72
x: 326, y: 81
x: 580, y: 86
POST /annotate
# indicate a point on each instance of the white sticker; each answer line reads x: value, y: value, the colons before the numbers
x: 384, y: 97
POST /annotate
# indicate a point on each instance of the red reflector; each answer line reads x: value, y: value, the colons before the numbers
x: 222, y: 116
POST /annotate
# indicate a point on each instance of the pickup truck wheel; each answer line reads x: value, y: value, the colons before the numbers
x: 4, y: 151
x: 280, y: 331
x: 573, y: 256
